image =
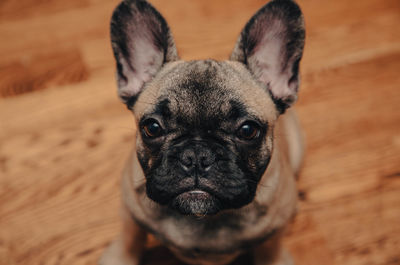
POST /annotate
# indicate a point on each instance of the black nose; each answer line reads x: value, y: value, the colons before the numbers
x: 199, y: 158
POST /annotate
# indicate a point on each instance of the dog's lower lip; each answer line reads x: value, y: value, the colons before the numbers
x: 195, y: 202
x: 197, y: 192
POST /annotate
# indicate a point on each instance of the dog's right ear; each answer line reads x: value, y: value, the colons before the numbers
x: 142, y: 43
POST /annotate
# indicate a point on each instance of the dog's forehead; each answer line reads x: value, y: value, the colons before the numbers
x: 206, y: 88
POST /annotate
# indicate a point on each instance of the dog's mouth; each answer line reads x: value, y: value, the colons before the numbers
x: 196, y: 202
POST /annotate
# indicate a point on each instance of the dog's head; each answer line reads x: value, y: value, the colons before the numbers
x: 206, y: 127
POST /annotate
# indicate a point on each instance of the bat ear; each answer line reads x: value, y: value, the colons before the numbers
x: 142, y: 44
x: 271, y: 46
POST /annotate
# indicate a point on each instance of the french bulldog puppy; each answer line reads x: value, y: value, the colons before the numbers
x: 212, y: 173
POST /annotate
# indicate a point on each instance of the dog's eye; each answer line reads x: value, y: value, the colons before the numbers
x: 248, y: 131
x: 152, y: 128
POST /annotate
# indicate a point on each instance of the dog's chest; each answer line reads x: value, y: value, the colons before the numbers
x: 230, y: 232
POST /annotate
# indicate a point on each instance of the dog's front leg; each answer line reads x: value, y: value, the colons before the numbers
x: 271, y: 252
x: 127, y: 249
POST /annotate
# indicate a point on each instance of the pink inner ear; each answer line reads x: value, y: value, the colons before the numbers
x: 147, y: 60
x: 267, y: 62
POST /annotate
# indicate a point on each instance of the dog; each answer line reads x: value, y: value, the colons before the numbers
x: 212, y: 174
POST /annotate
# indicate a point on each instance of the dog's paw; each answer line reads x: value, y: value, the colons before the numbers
x: 116, y: 255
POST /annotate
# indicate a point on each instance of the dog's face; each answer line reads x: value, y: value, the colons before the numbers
x: 203, y: 146
x: 205, y: 128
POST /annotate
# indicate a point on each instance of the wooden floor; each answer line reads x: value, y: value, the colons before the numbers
x: 64, y: 136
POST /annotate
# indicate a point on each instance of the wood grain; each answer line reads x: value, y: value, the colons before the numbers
x: 42, y: 71
x: 64, y: 136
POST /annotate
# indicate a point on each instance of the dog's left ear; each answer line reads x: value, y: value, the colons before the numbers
x: 271, y: 46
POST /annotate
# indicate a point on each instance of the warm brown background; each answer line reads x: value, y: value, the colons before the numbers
x: 64, y: 135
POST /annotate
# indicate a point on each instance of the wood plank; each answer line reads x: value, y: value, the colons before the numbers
x: 42, y: 71
x: 19, y: 10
